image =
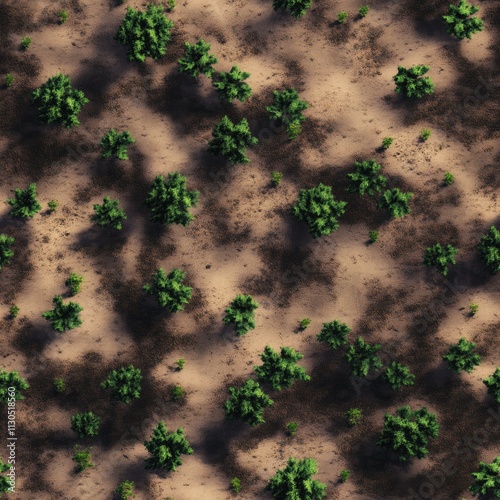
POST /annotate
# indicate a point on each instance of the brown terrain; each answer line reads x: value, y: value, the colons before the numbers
x: 244, y: 240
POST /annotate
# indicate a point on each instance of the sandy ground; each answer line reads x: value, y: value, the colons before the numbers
x: 244, y: 240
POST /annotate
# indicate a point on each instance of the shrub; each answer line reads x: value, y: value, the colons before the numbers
x: 448, y: 179
x: 197, y: 61
x: 366, y: 178
x: 354, y: 416
x: 461, y: 22
x: 12, y: 379
x: 287, y: 110
x: 440, y: 257
x: 363, y: 11
x: 125, y: 490
x: 408, y: 432
x: 411, y: 83
x: 5, y: 484
x: 342, y: 17
x: 295, y: 481
x: 64, y: 316
x: 373, y: 235
x: 231, y: 85
x: 241, y: 313
x: 166, y: 448
x: 74, y: 282
x: 396, y: 202
x: 425, y: 134
x: 362, y: 357
x: 489, y: 249
x: 59, y: 385
x: 53, y: 204
x: 460, y: 356
x: 13, y: 311
x: 247, y: 403
x: 24, y: 204
x: 297, y: 8
x: 493, y: 384
x: 170, y: 5
x: 473, y: 308
x: 125, y: 383
x: 304, y: 323
x: 115, y: 144
x: 344, y: 475
x: 63, y: 16
x: 109, y: 214
x: 59, y: 102
x: 487, y: 479
x: 5, y: 251
x: 146, y: 34
x: 398, y: 375
x: 178, y: 393
x: 280, y: 369
x: 230, y: 140
x: 82, y: 458
x: 170, y: 200
x: 292, y: 428
x: 169, y: 290
x: 25, y: 42
x: 235, y: 485
x: 334, y: 333
x: 386, y: 142
x: 85, y: 424
x: 180, y: 364
x: 9, y: 80
x: 276, y: 178
x: 319, y: 209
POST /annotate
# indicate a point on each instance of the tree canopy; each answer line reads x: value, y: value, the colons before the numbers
x: 115, y: 144
x: 231, y: 85
x: 362, y: 357
x: 493, y: 384
x: 487, y: 479
x: 125, y: 383
x: 396, y: 202
x: 440, y: 257
x: 241, y: 313
x: 297, y: 8
x: 25, y: 204
x: 489, y: 249
x: 366, y: 178
x: 398, y: 375
x: 169, y: 289
x: 334, y: 333
x: 287, y: 110
x: 12, y: 379
x: 461, y: 20
x: 64, y: 316
x: 85, y: 424
x: 6, y: 253
x: 197, y: 60
x: 411, y: 83
x: 109, y: 214
x: 461, y: 356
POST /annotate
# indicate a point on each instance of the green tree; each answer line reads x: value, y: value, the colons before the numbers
x: 287, y: 110
x: 115, y: 144
x: 342, y: 17
x: 398, y: 375
x: 493, y: 384
x: 125, y: 490
x: 460, y: 356
x: 363, y: 11
x: 12, y: 379
x: 109, y: 214
x: 354, y: 416
x: 145, y: 33
x: 59, y: 385
x: 74, y: 282
x: 461, y: 20
x: 362, y: 357
x: 295, y: 481
x: 25, y: 42
x: 297, y: 8
x: 64, y: 316
x: 13, y: 311
x: 82, y: 458
x: 178, y: 393
x: 241, y: 313
x: 197, y: 60
x: 5, y: 251
x: 425, y: 134
x: 59, y: 102
x: 125, y: 383
x: 230, y: 140
x: 9, y: 79
x: 169, y: 290
x: 344, y: 475
x: 166, y: 448
x: 386, y: 142
x: 292, y: 428
x: 366, y: 178
x: 24, y: 204
x: 411, y: 83
x: 85, y: 424
x: 334, y: 333
x: 487, y: 479
x: 247, y: 403
x: 440, y: 257
x: 231, y: 85
x: 489, y: 249
x: 448, y: 179
x: 319, y: 209
x: 5, y: 484
x: 280, y: 369
x: 170, y: 200
x: 396, y: 202
x: 408, y: 432
x: 236, y: 485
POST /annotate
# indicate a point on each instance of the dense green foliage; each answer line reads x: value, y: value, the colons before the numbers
x: 319, y: 209
x: 169, y: 290
x: 64, y: 316
x: 24, y: 204
x: 386, y: 142
x: 109, y: 214
x: 398, y: 375
x: 295, y: 481
x: 440, y: 257
x: 247, y: 403
x: 334, y: 333
x: 74, y: 283
x: 125, y: 383
x: 489, y: 249
x: 287, y: 110
x: 461, y: 20
x: 59, y: 102
x: 125, y: 490
x: 235, y: 485
x: 448, y: 179
x: 170, y: 200
x: 297, y: 8
x: 197, y: 60
x: 408, y: 432
x: 5, y: 483
x: 280, y: 369
x: 166, y: 448
x: 396, y: 202
x: 85, y: 424
x: 9, y: 79
x: 115, y: 144
x: 145, y: 33
x: 362, y: 357
x: 354, y: 416
x: 5, y: 251
x: 12, y: 379
x: 411, y: 83
x: 241, y: 313
x: 25, y: 42
x: 487, y: 479
x: 460, y: 356
x: 230, y: 140
x: 363, y: 11
x: 82, y: 458
x: 231, y: 85
x: 493, y: 384
x: 366, y: 178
